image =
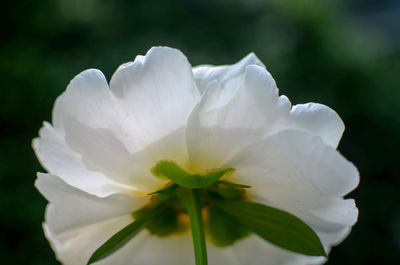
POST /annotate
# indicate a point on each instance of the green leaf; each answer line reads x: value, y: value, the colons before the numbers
x: 224, y: 229
x: 166, y: 222
x: 276, y: 226
x: 193, y: 208
x: 123, y: 236
x: 166, y: 192
x: 186, y: 179
x: 229, y: 192
x: 233, y: 184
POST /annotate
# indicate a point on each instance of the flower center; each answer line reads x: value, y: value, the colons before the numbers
x: 221, y: 229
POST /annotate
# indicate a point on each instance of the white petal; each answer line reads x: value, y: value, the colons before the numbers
x: 89, y: 100
x: 71, y: 208
x: 317, y: 119
x: 109, y: 138
x: 240, y: 106
x: 157, y: 92
x: 221, y: 126
x: 102, y: 152
x: 278, y: 114
x: 296, y: 172
x: 224, y: 74
x: 58, y: 159
x: 171, y: 250
x: 99, y: 148
x: 254, y: 250
x: 223, y: 256
x: 74, y: 247
x: 78, y: 223
x: 294, y: 157
x: 177, y: 250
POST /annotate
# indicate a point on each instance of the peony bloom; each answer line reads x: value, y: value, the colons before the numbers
x: 105, y: 139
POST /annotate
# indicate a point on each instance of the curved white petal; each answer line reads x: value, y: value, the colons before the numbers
x: 225, y: 74
x: 177, y: 250
x: 317, y: 119
x: 171, y: 250
x: 89, y: 144
x: 254, y: 250
x: 89, y: 101
x: 226, y: 255
x: 88, y: 98
x: 294, y: 157
x: 77, y: 223
x: 124, y: 131
x: 74, y: 247
x: 157, y: 92
x: 219, y: 127
x: 232, y: 115
x: 58, y: 159
x: 298, y: 173
x: 102, y: 152
x: 71, y: 208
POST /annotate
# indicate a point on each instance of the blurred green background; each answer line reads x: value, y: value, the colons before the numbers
x: 345, y: 54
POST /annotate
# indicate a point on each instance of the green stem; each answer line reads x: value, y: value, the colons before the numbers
x: 193, y: 209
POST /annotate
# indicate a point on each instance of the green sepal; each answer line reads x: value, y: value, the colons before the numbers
x: 229, y: 192
x: 224, y: 230
x: 123, y: 236
x: 275, y: 226
x: 165, y: 223
x: 165, y: 193
x: 237, y: 185
x: 172, y: 171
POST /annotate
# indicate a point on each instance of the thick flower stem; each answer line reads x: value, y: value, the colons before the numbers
x: 193, y: 209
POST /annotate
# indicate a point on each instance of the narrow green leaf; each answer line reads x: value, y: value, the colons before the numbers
x: 233, y: 184
x: 123, y: 236
x: 193, y: 209
x: 229, y: 192
x: 276, y: 226
x: 184, y: 178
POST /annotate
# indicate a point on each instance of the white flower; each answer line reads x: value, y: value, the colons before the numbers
x: 105, y: 138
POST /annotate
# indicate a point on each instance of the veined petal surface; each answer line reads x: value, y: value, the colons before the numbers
x: 71, y: 208
x: 157, y: 92
x: 57, y: 158
x: 226, y: 75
